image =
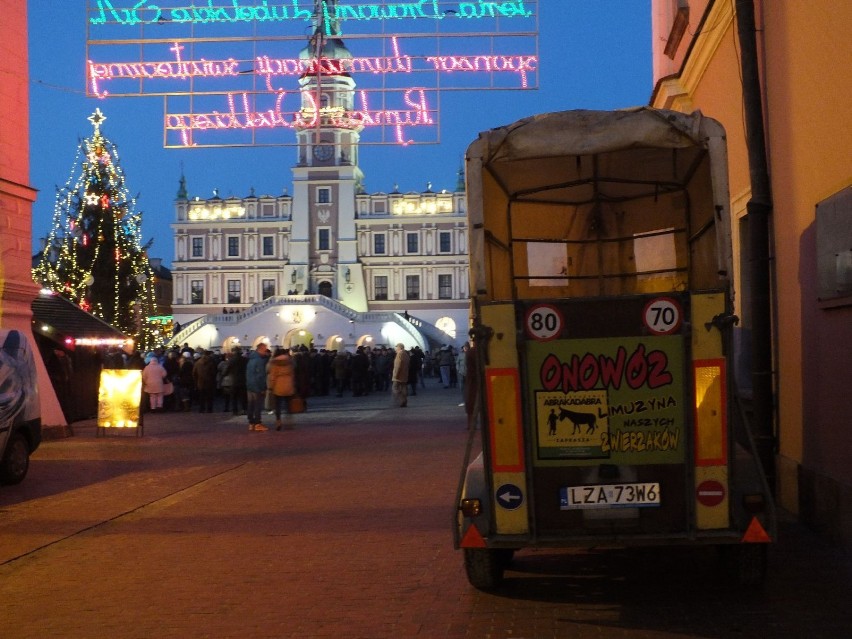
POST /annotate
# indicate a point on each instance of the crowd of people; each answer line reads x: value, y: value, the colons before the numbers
x: 198, y: 379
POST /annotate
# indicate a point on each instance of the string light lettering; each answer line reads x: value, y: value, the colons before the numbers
x: 241, y: 114
x: 146, y: 12
x: 267, y: 67
x: 236, y: 72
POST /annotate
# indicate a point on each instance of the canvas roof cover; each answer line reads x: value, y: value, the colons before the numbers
x: 581, y: 157
x: 627, y: 144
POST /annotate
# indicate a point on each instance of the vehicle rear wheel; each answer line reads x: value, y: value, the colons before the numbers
x: 505, y: 556
x: 750, y: 564
x: 16, y: 460
x: 484, y: 567
x: 745, y: 563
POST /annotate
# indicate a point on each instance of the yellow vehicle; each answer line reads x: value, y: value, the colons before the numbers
x: 601, y: 268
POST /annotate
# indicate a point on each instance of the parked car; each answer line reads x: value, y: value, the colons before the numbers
x: 20, y: 414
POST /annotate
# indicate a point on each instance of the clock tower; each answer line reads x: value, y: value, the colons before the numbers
x: 326, y: 178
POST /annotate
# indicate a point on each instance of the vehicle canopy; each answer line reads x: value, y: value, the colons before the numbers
x: 643, y: 162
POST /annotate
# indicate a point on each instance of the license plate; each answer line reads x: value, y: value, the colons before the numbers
x: 610, y: 496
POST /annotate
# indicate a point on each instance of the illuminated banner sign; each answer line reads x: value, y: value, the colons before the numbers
x: 231, y: 71
x: 119, y: 397
x: 245, y: 11
x: 174, y: 67
x: 266, y: 118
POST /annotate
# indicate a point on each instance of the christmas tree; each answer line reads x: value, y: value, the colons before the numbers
x: 94, y: 255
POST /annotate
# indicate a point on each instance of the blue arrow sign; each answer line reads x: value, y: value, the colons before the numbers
x: 509, y: 496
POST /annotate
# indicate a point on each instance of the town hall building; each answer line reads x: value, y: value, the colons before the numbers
x: 329, y: 265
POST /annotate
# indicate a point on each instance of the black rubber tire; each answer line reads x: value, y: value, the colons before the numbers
x: 750, y: 566
x: 16, y: 460
x: 744, y: 564
x: 505, y: 556
x: 484, y: 567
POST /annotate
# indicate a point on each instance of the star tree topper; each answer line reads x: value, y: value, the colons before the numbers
x: 97, y: 118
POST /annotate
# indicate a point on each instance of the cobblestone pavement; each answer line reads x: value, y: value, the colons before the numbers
x: 342, y: 528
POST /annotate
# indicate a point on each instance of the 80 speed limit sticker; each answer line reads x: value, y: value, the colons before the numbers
x: 663, y: 315
x: 544, y: 322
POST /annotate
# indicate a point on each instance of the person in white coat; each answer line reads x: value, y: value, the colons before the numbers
x: 153, y: 380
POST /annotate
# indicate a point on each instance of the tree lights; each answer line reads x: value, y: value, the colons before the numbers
x: 94, y: 256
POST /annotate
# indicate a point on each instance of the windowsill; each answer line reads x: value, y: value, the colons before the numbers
x: 834, y: 302
x: 681, y: 21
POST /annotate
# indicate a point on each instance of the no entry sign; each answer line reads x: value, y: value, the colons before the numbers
x: 710, y: 493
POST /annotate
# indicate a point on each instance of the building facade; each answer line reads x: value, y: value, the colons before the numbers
x: 17, y: 289
x: 804, y: 56
x: 329, y: 265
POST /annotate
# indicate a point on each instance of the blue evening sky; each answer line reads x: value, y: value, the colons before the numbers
x: 594, y: 54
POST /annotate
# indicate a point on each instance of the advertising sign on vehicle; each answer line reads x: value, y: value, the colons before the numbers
x: 609, y: 398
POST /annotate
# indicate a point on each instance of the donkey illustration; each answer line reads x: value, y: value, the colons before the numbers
x: 588, y: 420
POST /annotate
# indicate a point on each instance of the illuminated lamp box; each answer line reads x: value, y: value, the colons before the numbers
x: 119, y: 400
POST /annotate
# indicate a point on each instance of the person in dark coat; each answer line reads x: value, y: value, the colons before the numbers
x: 382, y: 362
x: 421, y: 358
x: 454, y: 374
x: 172, y: 366
x: 445, y: 362
x: 184, y: 383
x: 359, y: 367
x: 316, y: 366
x: 204, y: 376
x: 237, y: 372
x: 113, y: 358
x: 224, y: 381
x: 415, y: 367
x: 256, y: 385
x: 135, y: 361
x: 302, y: 362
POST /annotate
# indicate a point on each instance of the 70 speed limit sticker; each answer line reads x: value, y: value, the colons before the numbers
x: 544, y: 322
x: 663, y: 315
